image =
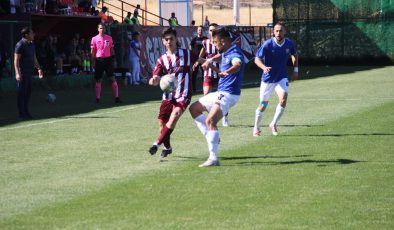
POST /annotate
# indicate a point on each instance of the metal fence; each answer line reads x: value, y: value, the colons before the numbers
x: 340, y: 31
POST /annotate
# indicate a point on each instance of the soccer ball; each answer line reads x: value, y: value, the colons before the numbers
x: 51, y: 98
x: 168, y: 83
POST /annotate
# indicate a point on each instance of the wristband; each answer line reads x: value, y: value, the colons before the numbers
x: 295, y: 69
x: 209, y: 60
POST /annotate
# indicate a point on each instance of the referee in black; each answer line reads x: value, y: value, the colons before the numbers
x: 24, y: 62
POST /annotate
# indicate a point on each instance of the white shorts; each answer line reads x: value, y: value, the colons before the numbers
x: 267, y: 88
x: 225, y: 100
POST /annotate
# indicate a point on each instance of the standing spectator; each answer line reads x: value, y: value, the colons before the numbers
x: 175, y: 61
x: 173, y: 21
x: 218, y: 103
x: 136, y: 9
x: 135, y: 50
x: 102, y: 52
x: 272, y: 58
x: 134, y: 20
x: 126, y: 20
x: 206, y: 22
x: 24, y: 62
x: 196, y: 46
x: 104, y: 18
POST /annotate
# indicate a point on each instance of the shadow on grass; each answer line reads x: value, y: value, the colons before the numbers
x: 251, y: 126
x: 338, y: 134
x: 320, y: 163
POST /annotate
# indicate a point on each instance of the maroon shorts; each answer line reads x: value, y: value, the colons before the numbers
x: 167, y: 106
x: 209, y: 81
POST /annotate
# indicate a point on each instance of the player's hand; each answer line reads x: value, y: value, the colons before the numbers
x: 155, y: 80
x: 222, y: 74
x: 206, y: 65
x: 266, y: 69
x: 195, y: 66
x: 18, y: 77
x: 40, y: 73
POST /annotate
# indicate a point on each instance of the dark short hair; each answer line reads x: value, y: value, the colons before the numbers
x: 221, y: 32
x: 168, y: 31
x: 214, y: 24
x: 25, y: 31
x: 102, y: 24
x: 280, y: 23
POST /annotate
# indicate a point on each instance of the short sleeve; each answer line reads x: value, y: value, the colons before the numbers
x: 18, y: 48
x: 158, y: 70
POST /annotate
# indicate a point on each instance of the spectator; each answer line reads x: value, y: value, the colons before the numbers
x: 134, y: 57
x: 127, y: 19
x: 134, y: 19
x: 206, y: 22
x: 193, y: 23
x: 136, y: 9
x: 56, y: 55
x: 173, y: 21
x: 72, y: 54
x: 104, y: 18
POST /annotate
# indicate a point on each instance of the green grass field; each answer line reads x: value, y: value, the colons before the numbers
x: 86, y: 166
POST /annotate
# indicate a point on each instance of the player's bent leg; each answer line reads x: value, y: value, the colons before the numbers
x: 280, y: 109
x: 258, y: 117
x: 212, y: 136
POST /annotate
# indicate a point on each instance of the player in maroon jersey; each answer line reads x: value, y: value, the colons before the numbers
x: 175, y: 61
x: 209, y: 51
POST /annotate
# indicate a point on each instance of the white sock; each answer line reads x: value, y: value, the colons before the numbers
x: 200, y: 122
x: 258, y: 118
x: 278, y: 114
x: 213, y: 144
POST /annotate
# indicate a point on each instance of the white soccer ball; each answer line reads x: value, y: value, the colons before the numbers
x: 168, y: 83
x: 51, y: 98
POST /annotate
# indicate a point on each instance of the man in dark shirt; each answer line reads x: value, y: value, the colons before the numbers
x: 196, y: 46
x: 24, y: 62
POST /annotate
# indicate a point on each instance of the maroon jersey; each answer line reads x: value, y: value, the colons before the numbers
x: 178, y: 63
x: 210, y: 51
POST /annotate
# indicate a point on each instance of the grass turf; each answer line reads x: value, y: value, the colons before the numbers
x: 330, y: 168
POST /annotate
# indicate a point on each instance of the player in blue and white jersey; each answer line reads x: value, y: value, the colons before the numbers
x: 272, y: 58
x: 218, y: 103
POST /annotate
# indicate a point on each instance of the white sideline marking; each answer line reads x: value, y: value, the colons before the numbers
x: 72, y: 117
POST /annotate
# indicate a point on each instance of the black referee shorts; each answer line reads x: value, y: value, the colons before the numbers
x: 104, y: 64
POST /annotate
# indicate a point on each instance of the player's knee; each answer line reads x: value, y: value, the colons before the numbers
x: 283, y: 102
x: 195, y: 109
x: 263, y: 105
